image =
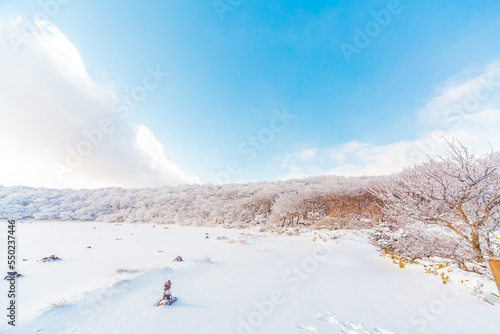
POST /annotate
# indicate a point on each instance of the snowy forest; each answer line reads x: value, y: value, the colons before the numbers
x: 338, y: 202
x: 447, y: 207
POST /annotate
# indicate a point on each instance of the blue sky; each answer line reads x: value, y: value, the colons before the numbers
x: 227, y: 77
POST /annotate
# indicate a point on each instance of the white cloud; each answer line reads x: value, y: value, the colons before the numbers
x: 54, y: 114
x: 308, y: 154
x: 466, y: 107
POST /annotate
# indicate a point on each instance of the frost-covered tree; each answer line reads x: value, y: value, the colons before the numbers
x: 265, y: 198
x: 287, y: 209
x: 459, y: 192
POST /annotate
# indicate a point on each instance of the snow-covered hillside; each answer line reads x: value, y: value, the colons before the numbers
x: 235, y: 281
x: 208, y: 205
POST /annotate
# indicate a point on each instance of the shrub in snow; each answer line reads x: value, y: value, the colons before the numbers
x: 12, y: 275
x: 51, y: 258
x: 418, y: 241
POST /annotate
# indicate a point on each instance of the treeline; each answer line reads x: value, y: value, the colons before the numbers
x: 329, y: 201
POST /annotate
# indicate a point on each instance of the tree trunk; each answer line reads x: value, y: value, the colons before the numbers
x: 476, y: 247
x: 488, y: 247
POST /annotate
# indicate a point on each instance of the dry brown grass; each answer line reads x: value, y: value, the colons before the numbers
x: 128, y: 271
x: 158, y: 267
x: 140, y: 270
x: 57, y: 303
x: 237, y: 241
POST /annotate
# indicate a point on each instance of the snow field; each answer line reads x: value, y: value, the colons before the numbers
x: 247, y: 282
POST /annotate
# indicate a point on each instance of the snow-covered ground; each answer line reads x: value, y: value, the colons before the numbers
x: 236, y: 281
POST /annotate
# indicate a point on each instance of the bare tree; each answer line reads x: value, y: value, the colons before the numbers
x: 460, y: 192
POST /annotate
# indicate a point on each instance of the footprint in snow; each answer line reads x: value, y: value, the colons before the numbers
x: 346, y: 327
x: 328, y: 317
x: 308, y: 328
